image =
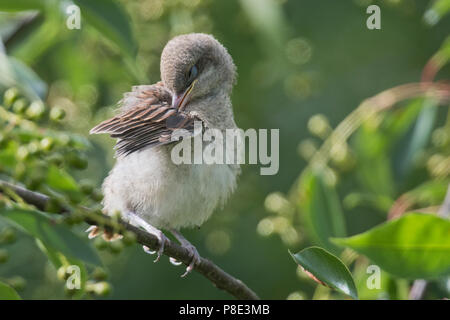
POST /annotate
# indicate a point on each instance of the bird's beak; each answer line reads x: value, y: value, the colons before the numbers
x: 180, y: 101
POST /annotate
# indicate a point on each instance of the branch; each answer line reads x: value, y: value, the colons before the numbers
x: 207, y: 268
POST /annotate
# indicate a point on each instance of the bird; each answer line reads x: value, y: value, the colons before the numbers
x: 147, y: 188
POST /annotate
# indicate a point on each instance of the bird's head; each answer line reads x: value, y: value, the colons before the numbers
x: 196, y: 67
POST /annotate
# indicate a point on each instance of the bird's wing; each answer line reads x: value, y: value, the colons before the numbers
x: 146, y: 119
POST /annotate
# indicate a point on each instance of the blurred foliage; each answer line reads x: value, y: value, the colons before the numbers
x: 304, y: 67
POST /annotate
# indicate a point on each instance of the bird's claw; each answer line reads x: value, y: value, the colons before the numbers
x: 162, y: 241
x: 195, y: 259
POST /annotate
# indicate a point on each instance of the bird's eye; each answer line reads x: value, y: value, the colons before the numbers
x: 193, y: 72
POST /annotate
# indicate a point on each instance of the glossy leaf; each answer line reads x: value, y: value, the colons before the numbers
x: 8, y: 293
x: 52, y: 234
x: 321, y: 207
x: 328, y: 269
x: 414, y: 246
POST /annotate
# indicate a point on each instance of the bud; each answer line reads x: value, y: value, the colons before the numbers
x: 87, y: 187
x: 99, y: 274
x: 307, y: 148
x: 97, y: 195
x: 100, y: 288
x: 36, y: 110
x: 62, y: 273
x: 57, y: 114
x: 318, y: 125
x: 22, y: 153
x: 116, y: 246
x: 10, y: 96
x: 100, y: 244
x: 33, y: 147
x: 77, y: 160
x: 47, y: 144
x: 19, y: 106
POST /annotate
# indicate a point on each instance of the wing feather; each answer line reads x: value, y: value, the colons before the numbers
x: 146, y: 119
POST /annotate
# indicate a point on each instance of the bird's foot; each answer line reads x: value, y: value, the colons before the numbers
x: 95, y: 231
x: 138, y: 221
x: 196, y: 259
x: 162, y: 241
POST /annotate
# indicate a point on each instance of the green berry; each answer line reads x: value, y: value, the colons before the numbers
x: 77, y: 160
x: 47, y: 144
x: 100, y: 244
x: 36, y: 110
x: 99, y: 274
x: 97, y: 195
x: 19, y: 106
x: 62, y: 274
x: 22, y: 153
x: 100, y: 288
x: 116, y: 246
x: 87, y: 187
x: 10, y: 96
x: 57, y: 114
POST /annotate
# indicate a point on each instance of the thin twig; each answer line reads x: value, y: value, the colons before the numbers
x: 207, y: 268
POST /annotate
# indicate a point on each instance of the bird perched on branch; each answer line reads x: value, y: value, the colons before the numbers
x: 145, y: 185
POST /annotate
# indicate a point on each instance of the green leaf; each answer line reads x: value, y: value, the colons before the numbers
x: 52, y: 234
x: 43, y: 35
x: 373, y: 167
x: 14, y: 73
x: 327, y: 268
x: 416, y: 140
x: 320, y: 204
x: 8, y: 293
x: 21, y: 5
x: 109, y: 18
x: 61, y: 180
x: 415, y: 246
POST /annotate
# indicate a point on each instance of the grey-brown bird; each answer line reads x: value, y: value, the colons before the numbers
x: 145, y: 185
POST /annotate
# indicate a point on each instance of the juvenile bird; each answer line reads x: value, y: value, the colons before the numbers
x: 150, y: 191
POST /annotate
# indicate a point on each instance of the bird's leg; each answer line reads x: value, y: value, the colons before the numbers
x: 138, y: 221
x: 190, y: 247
